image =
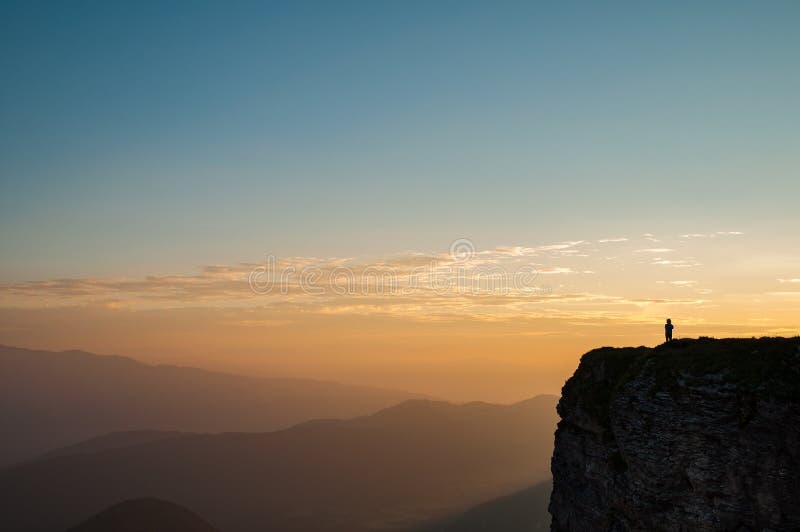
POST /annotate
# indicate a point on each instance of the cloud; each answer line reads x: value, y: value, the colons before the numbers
x: 715, y: 234
x: 654, y: 250
x: 556, y: 270
x: 678, y: 263
x: 678, y: 283
x: 667, y: 301
x: 515, y: 251
x: 558, y: 279
x: 559, y: 246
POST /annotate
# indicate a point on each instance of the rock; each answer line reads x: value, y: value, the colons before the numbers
x: 694, y: 435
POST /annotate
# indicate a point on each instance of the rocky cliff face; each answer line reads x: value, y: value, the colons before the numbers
x: 694, y: 435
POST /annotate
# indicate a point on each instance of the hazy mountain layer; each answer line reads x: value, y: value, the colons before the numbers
x: 523, y: 511
x: 49, y: 400
x: 399, y: 467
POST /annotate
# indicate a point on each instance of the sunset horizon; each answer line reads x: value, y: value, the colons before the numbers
x: 463, y: 324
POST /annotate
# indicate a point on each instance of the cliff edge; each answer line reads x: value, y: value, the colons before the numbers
x: 700, y: 435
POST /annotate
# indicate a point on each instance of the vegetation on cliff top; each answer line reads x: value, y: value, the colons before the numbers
x: 762, y: 367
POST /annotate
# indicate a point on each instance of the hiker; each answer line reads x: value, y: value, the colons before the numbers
x: 668, y: 329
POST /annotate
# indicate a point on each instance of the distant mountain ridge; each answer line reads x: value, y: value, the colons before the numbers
x: 392, y: 470
x: 53, y: 399
x: 115, y: 440
x: 522, y: 511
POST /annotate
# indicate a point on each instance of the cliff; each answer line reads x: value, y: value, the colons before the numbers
x: 695, y: 435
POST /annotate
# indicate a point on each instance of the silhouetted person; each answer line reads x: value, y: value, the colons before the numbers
x: 668, y: 329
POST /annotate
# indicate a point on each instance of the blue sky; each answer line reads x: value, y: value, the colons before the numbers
x: 145, y: 138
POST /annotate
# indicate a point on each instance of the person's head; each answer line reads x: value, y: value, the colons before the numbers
x: 669, y: 320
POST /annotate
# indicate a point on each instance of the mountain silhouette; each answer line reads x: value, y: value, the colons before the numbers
x: 398, y: 468
x: 145, y: 515
x: 115, y: 440
x: 523, y: 511
x: 50, y: 400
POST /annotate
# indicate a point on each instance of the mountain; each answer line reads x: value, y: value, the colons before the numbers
x: 145, y: 515
x: 115, y: 440
x: 523, y: 511
x: 395, y: 469
x: 49, y: 400
x: 692, y: 435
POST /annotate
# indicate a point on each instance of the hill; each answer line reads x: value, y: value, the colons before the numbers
x: 692, y: 435
x: 115, y: 440
x: 49, y: 400
x: 145, y: 515
x: 523, y: 511
x: 394, y: 469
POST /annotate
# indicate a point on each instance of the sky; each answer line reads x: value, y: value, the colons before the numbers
x: 641, y: 159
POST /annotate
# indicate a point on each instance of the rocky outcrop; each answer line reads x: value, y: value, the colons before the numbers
x: 694, y: 435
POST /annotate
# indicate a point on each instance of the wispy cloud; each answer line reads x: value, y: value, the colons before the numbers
x: 650, y: 301
x: 715, y: 234
x: 565, y: 278
x: 679, y: 283
x: 560, y: 246
x: 556, y: 270
x: 654, y: 250
x: 677, y: 263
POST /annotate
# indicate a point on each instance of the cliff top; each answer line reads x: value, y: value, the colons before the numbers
x: 762, y: 367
